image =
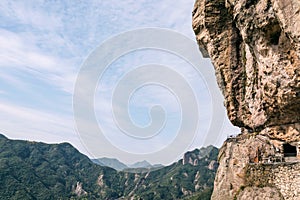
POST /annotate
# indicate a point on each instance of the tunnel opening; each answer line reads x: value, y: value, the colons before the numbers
x: 289, y: 150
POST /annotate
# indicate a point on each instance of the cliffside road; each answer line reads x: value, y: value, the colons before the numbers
x: 255, y: 49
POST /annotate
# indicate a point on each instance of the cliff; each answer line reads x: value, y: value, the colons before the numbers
x: 254, y: 46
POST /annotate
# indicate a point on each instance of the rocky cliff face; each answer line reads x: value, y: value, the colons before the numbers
x: 194, y: 157
x: 254, y: 46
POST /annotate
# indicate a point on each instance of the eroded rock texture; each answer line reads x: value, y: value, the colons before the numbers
x: 265, y: 193
x: 254, y: 46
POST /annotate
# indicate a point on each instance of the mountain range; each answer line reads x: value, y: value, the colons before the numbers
x: 110, y: 162
x: 119, y: 166
x: 35, y: 170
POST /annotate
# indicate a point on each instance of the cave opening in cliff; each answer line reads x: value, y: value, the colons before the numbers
x: 289, y: 150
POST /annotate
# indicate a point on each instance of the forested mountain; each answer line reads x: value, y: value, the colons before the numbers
x: 34, y: 170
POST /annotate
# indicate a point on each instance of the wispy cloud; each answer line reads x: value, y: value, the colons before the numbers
x: 17, y: 52
x: 44, y: 43
x: 28, y: 14
x: 33, y: 124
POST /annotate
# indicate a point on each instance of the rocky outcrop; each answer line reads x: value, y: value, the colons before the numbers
x: 254, y: 46
x: 79, y: 191
x: 254, y: 160
x: 194, y: 157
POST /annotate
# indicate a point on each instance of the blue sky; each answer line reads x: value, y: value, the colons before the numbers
x: 42, y: 47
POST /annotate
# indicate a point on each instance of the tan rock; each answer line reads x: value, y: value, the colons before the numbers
x: 265, y: 193
x: 254, y: 46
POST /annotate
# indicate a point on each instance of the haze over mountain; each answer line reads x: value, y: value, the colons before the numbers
x: 110, y: 162
x: 118, y: 165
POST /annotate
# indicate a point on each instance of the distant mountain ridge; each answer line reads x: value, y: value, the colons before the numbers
x: 119, y: 166
x: 110, y: 162
x: 141, y: 164
x: 191, y: 157
x: 35, y: 170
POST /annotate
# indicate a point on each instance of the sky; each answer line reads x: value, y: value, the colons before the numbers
x: 45, y: 44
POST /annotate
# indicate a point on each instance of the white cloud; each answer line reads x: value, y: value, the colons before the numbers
x: 35, y: 124
x: 17, y: 52
x: 27, y: 14
x: 48, y: 41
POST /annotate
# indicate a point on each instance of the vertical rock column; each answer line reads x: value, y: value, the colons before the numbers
x: 254, y: 46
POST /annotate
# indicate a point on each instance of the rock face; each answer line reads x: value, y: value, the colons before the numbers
x: 194, y: 157
x: 259, y: 193
x: 254, y: 46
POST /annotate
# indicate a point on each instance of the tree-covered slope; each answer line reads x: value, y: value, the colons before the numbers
x: 30, y: 170
x: 177, y: 180
x: 33, y: 170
